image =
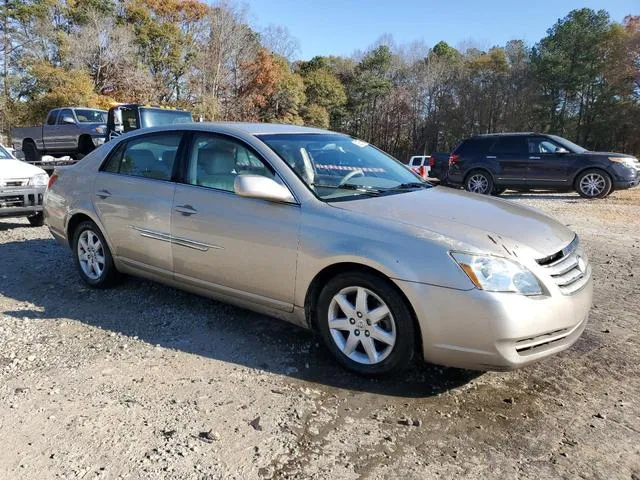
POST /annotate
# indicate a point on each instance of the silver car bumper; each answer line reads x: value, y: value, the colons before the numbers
x: 496, y: 331
x: 18, y: 202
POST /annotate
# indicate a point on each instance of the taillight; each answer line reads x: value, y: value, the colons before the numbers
x: 432, y: 162
x: 52, y: 180
x: 453, y: 158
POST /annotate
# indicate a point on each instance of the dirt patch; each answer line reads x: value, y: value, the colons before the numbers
x: 144, y: 381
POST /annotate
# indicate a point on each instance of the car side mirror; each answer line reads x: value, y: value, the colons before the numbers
x: 257, y: 186
x: 561, y: 150
x: 67, y: 120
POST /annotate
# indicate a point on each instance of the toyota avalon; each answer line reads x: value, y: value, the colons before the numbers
x: 330, y: 233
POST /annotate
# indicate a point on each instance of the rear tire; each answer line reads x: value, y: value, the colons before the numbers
x: 366, y: 324
x: 479, y: 181
x: 594, y: 183
x: 36, y: 220
x: 31, y: 153
x: 92, y: 256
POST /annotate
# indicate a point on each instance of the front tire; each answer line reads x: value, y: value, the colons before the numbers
x: 479, y: 181
x: 36, y: 220
x: 92, y: 256
x: 594, y: 183
x: 366, y: 324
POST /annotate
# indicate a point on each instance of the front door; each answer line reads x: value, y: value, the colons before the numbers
x: 237, y: 246
x: 133, y: 195
x: 547, y: 166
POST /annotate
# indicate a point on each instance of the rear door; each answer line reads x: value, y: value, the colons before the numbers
x: 232, y: 245
x: 547, y: 167
x: 511, y: 156
x: 134, y: 196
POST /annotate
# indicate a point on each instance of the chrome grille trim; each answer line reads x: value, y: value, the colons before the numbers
x: 568, y: 268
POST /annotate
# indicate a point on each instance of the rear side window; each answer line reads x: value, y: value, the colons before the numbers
x: 147, y: 157
x: 474, y: 145
x: 511, y: 145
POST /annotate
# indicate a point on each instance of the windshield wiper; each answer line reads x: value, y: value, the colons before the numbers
x: 349, y: 186
x: 408, y: 186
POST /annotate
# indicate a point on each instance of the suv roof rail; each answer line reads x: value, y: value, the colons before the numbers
x: 498, y: 134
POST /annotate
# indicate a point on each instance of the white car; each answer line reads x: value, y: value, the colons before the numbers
x: 22, y: 187
x: 419, y: 161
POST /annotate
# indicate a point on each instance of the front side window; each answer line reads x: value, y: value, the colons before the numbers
x: 215, y: 162
x: 541, y: 145
x: 147, y: 157
x: 85, y: 115
x: 511, y: 145
x: 65, y: 114
x: 336, y: 166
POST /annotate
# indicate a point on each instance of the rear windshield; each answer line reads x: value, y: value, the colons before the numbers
x: 154, y: 117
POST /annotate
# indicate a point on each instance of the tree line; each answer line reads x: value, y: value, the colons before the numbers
x: 581, y: 81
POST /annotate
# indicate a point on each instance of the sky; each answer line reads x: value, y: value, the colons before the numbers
x: 340, y: 27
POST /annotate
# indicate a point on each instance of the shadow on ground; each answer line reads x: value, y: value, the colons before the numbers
x: 161, y: 315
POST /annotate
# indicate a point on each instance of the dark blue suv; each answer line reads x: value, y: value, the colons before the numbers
x: 489, y: 164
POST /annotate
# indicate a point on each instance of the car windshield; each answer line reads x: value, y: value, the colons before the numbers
x: 85, y: 115
x: 154, y: 117
x: 4, y: 154
x: 338, y: 167
x: 572, y: 147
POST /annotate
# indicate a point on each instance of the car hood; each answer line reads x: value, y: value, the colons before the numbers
x: 609, y: 154
x: 10, y: 168
x: 470, y: 221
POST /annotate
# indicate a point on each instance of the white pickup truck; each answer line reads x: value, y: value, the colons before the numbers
x: 69, y: 131
x: 22, y: 187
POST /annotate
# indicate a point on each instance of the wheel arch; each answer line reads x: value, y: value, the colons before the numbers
x: 576, y: 175
x: 330, y: 271
x: 75, y: 219
x: 481, y: 168
x: 85, y: 140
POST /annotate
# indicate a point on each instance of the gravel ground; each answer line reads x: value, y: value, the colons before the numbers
x: 144, y: 381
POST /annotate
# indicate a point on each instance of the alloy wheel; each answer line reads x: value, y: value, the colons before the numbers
x: 478, y: 183
x: 593, y: 184
x: 361, y: 325
x: 91, y: 255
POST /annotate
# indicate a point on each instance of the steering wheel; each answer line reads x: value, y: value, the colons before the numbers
x: 350, y: 175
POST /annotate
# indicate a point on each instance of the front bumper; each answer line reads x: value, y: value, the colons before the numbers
x: 495, y: 331
x: 20, y: 202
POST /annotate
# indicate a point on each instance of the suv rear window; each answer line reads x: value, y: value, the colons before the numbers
x: 474, y: 145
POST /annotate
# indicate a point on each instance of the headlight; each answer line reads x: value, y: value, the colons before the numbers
x: 39, y: 180
x: 100, y: 129
x: 626, y: 161
x: 497, y: 274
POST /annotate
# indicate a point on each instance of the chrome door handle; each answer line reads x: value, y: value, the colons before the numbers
x: 491, y: 156
x: 534, y: 158
x: 103, y: 194
x: 186, y: 210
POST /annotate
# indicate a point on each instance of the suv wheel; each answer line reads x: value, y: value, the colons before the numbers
x: 92, y: 256
x: 594, y: 184
x: 366, y: 324
x: 479, y: 181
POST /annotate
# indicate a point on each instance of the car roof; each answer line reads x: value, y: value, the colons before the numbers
x: 239, y: 127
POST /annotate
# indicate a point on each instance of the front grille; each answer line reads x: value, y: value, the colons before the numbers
x: 568, y: 268
x: 532, y: 345
x: 14, y: 182
x: 12, y: 201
